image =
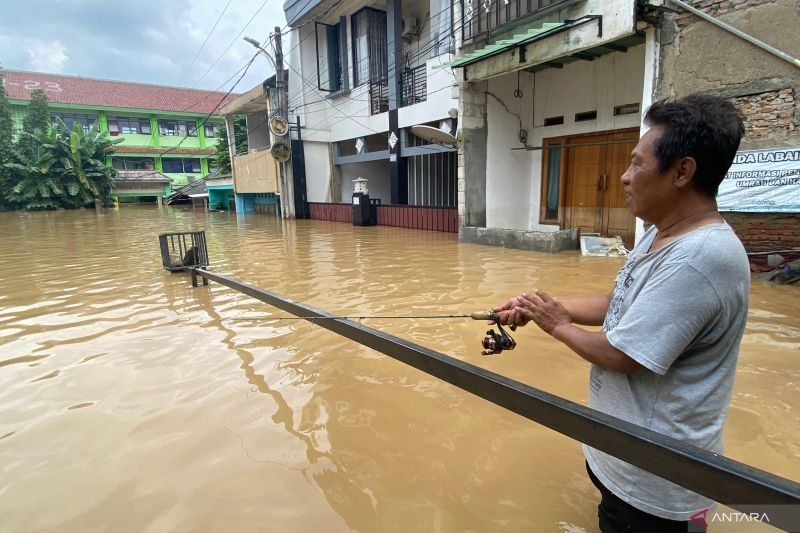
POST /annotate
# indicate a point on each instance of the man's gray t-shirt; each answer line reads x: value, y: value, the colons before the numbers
x: 680, y: 312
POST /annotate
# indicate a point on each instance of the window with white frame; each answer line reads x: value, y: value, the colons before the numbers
x: 85, y: 120
x: 128, y: 125
x: 177, y: 128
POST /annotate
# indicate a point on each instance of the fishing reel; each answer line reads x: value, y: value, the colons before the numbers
x: 496, y: 341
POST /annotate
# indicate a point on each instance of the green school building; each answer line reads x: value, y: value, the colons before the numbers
x: 168, y: 135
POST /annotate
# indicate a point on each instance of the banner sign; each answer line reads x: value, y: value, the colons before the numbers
x: 762, y: 181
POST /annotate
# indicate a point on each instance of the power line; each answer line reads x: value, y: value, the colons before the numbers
x: 198, y: 102
x: 207, y: 38
x: 231, y: 43
x: 420, y: 52
x: 205, y: 119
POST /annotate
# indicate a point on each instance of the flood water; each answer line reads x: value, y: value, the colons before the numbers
x: 131, y: 402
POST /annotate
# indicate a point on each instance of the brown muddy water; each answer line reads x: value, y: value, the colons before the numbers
x: 131, y: 402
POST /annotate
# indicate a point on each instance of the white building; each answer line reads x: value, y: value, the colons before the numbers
x: 360, y: 76
x: 551, y: 100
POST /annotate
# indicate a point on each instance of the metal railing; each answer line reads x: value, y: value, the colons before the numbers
x: 414, y: 86
x: 378, y: 96
x: 479, y: 18
x: 724, y: 480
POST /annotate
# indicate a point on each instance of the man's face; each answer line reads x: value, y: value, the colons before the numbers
x: 648, y: 191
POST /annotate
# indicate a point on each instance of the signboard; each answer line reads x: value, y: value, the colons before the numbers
x: 762, y: 181
x: 280, y: 151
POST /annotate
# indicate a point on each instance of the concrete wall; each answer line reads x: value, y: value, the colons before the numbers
x: 729, y: 66
x: 696, y: 56
x: 442, y: 96
x: 318, y: 172
x: 513, y: 177
x: 377, y: 172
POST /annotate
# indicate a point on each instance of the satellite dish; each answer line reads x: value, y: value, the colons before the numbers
x: 434, y: 135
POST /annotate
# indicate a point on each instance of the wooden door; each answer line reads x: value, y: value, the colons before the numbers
x: 595, y: 195
x: 584, y: 174
x: 616, y: 218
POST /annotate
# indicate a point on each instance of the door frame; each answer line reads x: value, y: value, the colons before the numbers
x: 565, y: 184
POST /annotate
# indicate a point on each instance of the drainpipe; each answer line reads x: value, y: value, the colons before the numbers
x: 739, y: 33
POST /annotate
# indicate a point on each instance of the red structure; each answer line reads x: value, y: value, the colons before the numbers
x: 401, y: 216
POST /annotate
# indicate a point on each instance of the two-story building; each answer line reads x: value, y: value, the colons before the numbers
x: 362, y: 75
x: 255, y: 185
x: 552, y: 97
x: 168, y: 135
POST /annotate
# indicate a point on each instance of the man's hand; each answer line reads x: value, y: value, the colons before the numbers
x: 505, y: 312
x: 547, y: 312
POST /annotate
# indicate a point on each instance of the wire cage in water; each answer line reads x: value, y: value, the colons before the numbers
x: 183, y: 249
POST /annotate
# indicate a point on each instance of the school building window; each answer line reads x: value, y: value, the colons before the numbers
x: 128, y: 125
x: 213, y: 130
x: 85, y: 120
x: 177, y: 128
x: 133, y: 163
x: 180, y: 165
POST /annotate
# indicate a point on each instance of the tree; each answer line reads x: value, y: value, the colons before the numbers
x: 68, y: 169
x: 6, y: 144
x: 37, y: 120
x: 222, y: 158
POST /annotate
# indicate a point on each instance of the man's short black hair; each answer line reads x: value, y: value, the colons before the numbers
x: 705, y: 127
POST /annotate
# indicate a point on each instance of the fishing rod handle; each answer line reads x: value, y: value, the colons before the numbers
x: 484, y: 315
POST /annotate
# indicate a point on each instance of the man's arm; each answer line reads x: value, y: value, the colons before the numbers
x: 556, y: 319
x: 585, y: 310
x: 595, y: 348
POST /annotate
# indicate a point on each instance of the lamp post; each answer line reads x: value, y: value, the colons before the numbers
x: 280, y: 103
x: 257, y: 46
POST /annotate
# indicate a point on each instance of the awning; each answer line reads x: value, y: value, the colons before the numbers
x: 498, y: 47
x: 595, y: 27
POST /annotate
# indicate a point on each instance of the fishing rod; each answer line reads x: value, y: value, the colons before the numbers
x: 494, y: 342
x: 188, y: 252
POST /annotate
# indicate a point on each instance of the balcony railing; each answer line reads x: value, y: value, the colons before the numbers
x: 414, y: 86
x: 378, y: 96
x: 480, y: 18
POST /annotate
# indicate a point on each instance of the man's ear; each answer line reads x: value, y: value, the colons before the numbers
x: 686, y: 168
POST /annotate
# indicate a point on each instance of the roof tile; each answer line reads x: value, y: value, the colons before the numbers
x: 108, y: 93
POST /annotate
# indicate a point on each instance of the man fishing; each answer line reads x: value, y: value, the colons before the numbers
x: 666, y: 356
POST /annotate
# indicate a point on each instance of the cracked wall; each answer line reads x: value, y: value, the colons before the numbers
x: 697, y: 56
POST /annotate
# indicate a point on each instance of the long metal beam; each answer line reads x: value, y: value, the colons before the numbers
x: 724, y: 480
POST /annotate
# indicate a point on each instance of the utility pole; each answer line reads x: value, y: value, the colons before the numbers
x: 282, y: 105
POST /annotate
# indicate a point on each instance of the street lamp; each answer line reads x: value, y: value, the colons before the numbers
x: 261, y: 51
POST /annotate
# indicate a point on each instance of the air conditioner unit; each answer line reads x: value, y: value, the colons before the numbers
x: 410, y: 27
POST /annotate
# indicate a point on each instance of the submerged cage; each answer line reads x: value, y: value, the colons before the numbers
x: 183, y: 249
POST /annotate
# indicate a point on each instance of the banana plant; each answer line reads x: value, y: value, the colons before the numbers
x: 68, y: 171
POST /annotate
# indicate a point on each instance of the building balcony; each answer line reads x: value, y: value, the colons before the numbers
x: 479, y: 22
x: 255, y: 172
x: 414, y: 86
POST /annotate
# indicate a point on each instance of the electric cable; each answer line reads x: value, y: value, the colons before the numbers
x: 231, y: 43
x: 207, y: 37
